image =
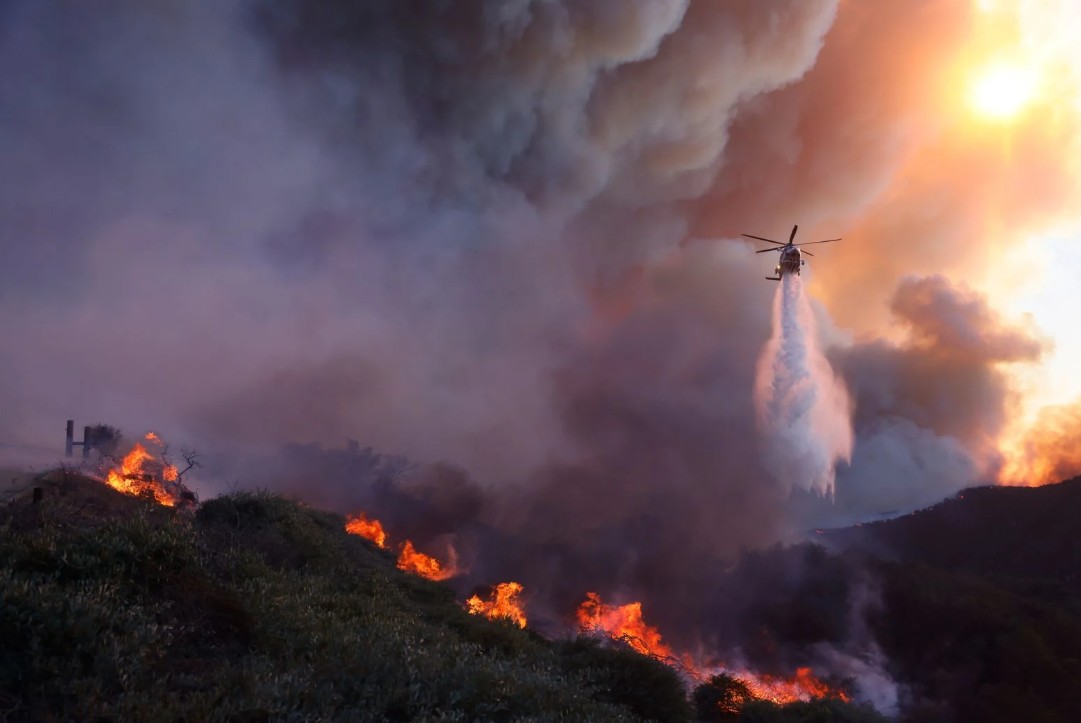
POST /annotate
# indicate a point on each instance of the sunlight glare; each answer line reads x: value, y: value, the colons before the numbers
x: 1002, y: 90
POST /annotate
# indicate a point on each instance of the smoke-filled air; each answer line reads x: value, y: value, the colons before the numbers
x: 804, y: 412
x: 474, y: 272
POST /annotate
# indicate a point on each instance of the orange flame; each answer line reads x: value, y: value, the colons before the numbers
x: 366, y: 528
x: 503, y: 603
x: 626, y: 623
x: 424, y: 565
x: 622, y: 623
x: 133, y: 475
x: 804, y: 685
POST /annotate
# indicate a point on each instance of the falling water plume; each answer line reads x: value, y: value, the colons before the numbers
x: 803, y: 409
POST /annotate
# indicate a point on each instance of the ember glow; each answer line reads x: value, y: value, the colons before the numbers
x: 367, y: 528
x: 425, y: 565
x: 503, y: 603
x: 804, y: 685
x: 141, y: 473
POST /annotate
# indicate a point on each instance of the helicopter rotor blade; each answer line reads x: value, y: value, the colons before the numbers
x: 807, y: 243
x: 807, y: 253
x: 793, y: 235
x: 760, y: 238
x: 765, y: 250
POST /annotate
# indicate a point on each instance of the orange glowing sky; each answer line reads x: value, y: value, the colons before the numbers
x: 993, y: 164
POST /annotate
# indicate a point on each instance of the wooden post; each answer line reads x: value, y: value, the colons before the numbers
x: 86, y: 442
x: 70, y: 440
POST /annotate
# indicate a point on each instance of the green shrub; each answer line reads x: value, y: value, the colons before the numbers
x: 649, y: 688
x: 262, y: 609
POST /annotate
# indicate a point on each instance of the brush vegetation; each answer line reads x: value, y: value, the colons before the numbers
x: 258, y: 608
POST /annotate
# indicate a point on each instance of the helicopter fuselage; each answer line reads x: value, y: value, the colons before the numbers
x: 789, y: 262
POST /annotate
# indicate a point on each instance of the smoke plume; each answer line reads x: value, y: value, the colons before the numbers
x: 804, y: 413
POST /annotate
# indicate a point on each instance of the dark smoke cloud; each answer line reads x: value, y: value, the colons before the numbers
x: 259, y: 223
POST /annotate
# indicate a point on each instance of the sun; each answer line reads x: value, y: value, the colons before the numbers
x: 1002, y: 90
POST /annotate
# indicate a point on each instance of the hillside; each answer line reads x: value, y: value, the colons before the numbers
x: 252, y: 607
x: 979, y: 604
x: 1025, y: 538
x: 256, y: 608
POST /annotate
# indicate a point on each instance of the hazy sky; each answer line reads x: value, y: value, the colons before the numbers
x: 505, y: 235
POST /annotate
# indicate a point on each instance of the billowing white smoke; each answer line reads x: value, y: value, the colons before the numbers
x: 803, y: 409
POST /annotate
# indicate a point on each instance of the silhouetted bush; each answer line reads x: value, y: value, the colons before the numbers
x: 720, y: 698
x: 105, y: 438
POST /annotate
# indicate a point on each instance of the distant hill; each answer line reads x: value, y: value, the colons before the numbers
x: 1025, y: 538
x: 979, y: 603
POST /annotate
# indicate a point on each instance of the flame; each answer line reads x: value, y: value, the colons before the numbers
x: 804, y: 685
x: 133, y: 475
x: 503, y: 603
x: 626, y: 623
x: 622, y: 623
x: 366, y: 528
x: 424, y: 565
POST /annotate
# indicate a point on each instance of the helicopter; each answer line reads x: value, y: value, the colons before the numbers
x: 791, y: 257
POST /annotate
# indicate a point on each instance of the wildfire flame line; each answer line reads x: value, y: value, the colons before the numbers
x: 503, y: 603
x: 409, y: 559
x: 626, y: 623
x: 619, y: 622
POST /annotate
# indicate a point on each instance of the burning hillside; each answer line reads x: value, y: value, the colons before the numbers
x: 624, y: 624
x: 794, y: 618
x: 409, y: 558
x: 792, y: 625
